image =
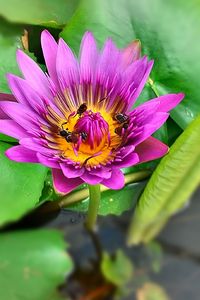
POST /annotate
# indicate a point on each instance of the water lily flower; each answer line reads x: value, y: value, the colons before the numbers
x: 78, y: 119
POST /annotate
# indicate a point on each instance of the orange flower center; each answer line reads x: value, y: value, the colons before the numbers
x: 87, y: 136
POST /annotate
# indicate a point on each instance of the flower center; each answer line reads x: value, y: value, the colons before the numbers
x: 88, y: 136
x: 93, y: 130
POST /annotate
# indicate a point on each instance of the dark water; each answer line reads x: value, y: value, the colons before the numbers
x: 176, y: 269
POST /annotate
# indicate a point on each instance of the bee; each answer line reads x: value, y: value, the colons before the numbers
x: 72, y: 137
x: 125, y: 125
x: 121, y: 118
x: 118, y: 131
x: 82, y: 108
x: 63, y: 132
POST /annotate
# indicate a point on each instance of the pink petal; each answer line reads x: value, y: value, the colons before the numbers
x: 150, y: 127
x: 70, y: 171
x: 33, y: 74
x: 5, y: 97
x: 88, y: 57
x: 142, y: 83
x: 134, y: 78
x: 102, y: 172
x: 116, y: 181
x: 123, y: 152
x: 48, y: 162
x: 128, y: 161
x: 165, y: 103
x: 21, y: 154
x: 91, y: 179
x: 151, y: 149
x: 37, y: 145
x: 3, y: 115
x: 148, y: 108
x: 49, y: 48
x: 131, y: 53
x: 11, y: 128
x: 20, y: 114
x: 62, y: 184
x: 66, y: 65
x: 24, y: 93
x: 108, y: 61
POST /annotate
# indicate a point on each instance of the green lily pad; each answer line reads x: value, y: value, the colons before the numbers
x: 46, y: 12
x: 169, y: 33
x: 21, y: 185
x: 10, y: 41
x: 118, y: 269
x: 33, y: 264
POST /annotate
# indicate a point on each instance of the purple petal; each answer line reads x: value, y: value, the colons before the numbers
x: 21, y: 114
x: 128, y: 161
x: 165, y: 103
x: 33, y: 74
x: 66, y: 65
x: 154, y: 124
x: 88, y: 57
x: 126, y: 151
x: 102, y: 172
x: 151, y: 149
x: 148, y: 108
x: 48, y: 162
x: 24, y: 93
x: 11, y: 128
x: 133, y: 79
x: 116, y: 181
x: 5, y: 97
x: 21, y: 154
x: 131, y: 53
x: 62, y: 184
x: 35, y: 144
x: 143, y: 116
x: 70, y: 171
x: 142, y: 83
x: 168, y: 102
x: 108, y: 62
x: 50, y: 48
x: 3, y: 115
x: 91, y: 179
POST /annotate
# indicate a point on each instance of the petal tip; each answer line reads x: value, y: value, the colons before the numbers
x: 151, y: 63
x: 181, y: 95
x: 45, y: 32
x: 19, y: 53
x: 61, y: 42
x: 88, y: 34
x: 47, y: 37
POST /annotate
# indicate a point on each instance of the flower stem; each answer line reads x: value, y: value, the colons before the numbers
x: 78, y: 196
x: 94, y: 200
